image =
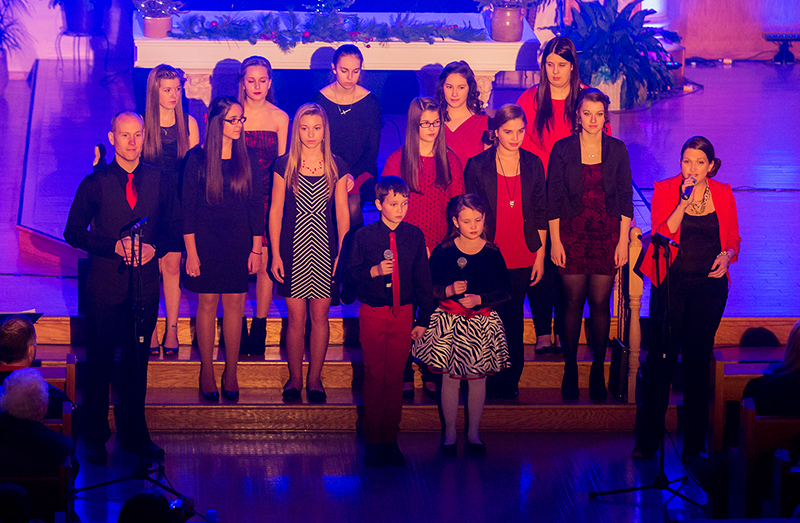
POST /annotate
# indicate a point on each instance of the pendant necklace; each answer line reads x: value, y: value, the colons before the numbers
x: 699, y: 207
x: 511, y: 192
x: 336, y: 99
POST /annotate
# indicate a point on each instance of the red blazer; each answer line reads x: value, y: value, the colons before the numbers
x: 665, y: 198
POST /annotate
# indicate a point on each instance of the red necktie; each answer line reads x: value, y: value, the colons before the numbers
x: 130, y: 191
x: 395, y: 276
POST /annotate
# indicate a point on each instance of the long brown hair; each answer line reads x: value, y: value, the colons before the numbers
x: 564, y: 48
x: 242, y: 179
x: 791, y: 359
x: 410, y: 160
x: 250, y: 62
x: 463, y: 69
x: 151, y: 149
x: 292, y: 174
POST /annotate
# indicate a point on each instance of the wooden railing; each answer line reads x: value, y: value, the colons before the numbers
x: 628, y: 303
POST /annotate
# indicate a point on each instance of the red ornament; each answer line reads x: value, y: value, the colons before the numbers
x: 262, y: 36
x: 368, y: 46
x: 306, y: 34
x: 214, y: 24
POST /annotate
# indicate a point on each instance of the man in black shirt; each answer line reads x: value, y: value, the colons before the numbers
x: 107, y: 202
x: 388, y: 288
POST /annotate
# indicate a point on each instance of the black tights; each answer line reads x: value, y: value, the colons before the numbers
x: 577, y: 289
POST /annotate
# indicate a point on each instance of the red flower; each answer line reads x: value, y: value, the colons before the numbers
x: 214, y: 24
x: 306, y: 34
x: 263, y: 36
x: 354, y: 34
x: 273, y: 35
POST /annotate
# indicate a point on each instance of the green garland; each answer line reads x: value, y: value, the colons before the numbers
x: 325, y: 24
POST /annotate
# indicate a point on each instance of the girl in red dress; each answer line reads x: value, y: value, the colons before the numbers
x: 434, y: 174
x: 589, y: 208
x: 168, y: 136
x: 265, y: 131
x: 464, y: 120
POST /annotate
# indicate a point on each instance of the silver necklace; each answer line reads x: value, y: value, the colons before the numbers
x: 349, y: 108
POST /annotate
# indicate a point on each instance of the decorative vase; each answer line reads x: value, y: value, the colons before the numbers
x: 506, y: 24
x: 3, y: 71
x: 84, y: 17
x: 157, y: 27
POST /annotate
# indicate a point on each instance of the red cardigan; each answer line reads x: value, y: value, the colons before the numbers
x: 665, y: 198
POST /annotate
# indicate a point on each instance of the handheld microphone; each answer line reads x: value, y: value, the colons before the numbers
x: 462, y: 262
x: 662, y: 241
x: 688, y: 191
x: 388, y: 255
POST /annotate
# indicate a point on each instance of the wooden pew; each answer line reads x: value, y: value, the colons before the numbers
x: 785, y: 487
x: 49, y: 495
x: 731, y: 370
x: 757, y: 435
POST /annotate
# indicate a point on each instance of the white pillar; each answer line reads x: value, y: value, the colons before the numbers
x: 660, y: 19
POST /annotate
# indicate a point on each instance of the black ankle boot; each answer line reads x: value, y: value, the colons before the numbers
x: 244, y: 346
x: 257, y: 339
x: 597, y: 382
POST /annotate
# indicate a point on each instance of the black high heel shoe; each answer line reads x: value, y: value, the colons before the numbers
x: 208, y: 396
x: 230, y: 395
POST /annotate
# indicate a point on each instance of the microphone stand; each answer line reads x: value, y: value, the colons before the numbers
x: 660, y: 482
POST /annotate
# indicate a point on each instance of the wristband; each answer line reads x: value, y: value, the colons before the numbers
x: 254, y: 252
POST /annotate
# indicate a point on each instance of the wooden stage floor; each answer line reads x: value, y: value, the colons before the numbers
x: 746, y: 110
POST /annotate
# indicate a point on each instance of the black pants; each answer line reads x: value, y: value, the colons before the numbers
x: 108, y: 326
x: 512, y: 314
x: 695, y: 311
x: 547, y: 300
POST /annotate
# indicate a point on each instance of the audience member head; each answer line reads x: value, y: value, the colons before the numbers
x: 164, y: 94
x: 591, y: 111
x: 457, y: 87
x: 17, y: 341
x: 559, y: 70
x: 346, y: 65
x: 127, y: 137
x: 424, y: 126
x: 226, y: 122
x: 15, y: 503
x: 475, y: 215
x: 310, y: 132
x: 25, y: 395
x: 759, y: 337
x: 146, y: 506
x: 255, y: 80
x: 791, y: 359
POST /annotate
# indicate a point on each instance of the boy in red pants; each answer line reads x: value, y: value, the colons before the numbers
x: 389, y: 263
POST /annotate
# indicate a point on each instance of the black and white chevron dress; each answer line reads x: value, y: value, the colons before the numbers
x: 308, y: 242
x: 464, y: 347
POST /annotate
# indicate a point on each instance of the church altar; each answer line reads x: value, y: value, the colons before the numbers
x: 200, y: 58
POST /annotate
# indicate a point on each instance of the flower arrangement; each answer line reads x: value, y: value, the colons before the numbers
x: 158, y: 8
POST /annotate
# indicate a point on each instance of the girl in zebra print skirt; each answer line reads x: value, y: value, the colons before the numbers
x: 465, y: 339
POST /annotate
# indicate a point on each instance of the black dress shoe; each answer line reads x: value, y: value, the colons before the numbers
x: 451, y: 450
x: 290, y: 394
x: 569, y: 386
x: 392, y: 455
x: 317, y: 396
x: 152, y: 452
x: 508, y: 393
x: 432, y: 394
x: 476, y: 449
x: 597, y: 386
x: 257, y: 339
x: 642, y: 454
x: 408, y: 394
x: 244, y: 346
x: 96, y: 453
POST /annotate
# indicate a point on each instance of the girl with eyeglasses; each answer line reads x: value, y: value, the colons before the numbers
x: 265, y: 134
x: 307, y: 223
x: 223, y: 223
x: 168, y: 136
x: 434, y: 174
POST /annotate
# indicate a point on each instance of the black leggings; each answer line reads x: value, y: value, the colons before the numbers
x: 577, y: 289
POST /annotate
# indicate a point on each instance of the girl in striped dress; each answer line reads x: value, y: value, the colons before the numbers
x: 465, y: 339
x: 309, y: 185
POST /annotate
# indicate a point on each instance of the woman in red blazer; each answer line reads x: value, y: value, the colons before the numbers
x: 706, y: 228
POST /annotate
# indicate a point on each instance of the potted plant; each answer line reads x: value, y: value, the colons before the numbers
x: 618, y: 54
x: 83, y: 17
x: 157, y: 16
x: 505, y: 17
x: 12, y: 34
